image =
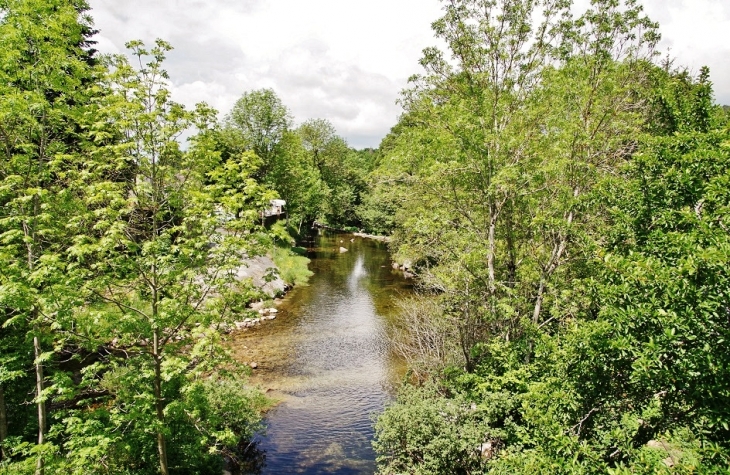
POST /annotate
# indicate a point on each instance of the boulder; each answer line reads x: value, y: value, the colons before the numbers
x: 257, y: 269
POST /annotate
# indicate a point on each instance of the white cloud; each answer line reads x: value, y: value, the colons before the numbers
x: 695, y: 34
x: 345, y: 61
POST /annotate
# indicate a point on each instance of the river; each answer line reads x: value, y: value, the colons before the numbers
x: 327, y: 359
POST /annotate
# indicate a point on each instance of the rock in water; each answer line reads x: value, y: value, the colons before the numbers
x: 342, y: 249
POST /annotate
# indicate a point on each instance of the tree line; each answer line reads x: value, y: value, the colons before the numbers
x: 562, y: 195
x: 120, y: 244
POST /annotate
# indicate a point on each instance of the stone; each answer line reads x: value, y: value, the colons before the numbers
x: 253, y: 365
x: 273, y: 310
x: 342, y: 249
x: 486, y: 450
x: 258, y: 269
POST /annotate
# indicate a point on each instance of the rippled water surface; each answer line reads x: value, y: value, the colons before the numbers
x: 326, y: 358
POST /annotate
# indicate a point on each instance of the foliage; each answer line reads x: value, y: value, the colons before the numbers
x: 569, y: 215
x: 113, y: 258
x: 340, y: 168
x: 46, y: 79
x: 261, y: 119
x: 442, y: 435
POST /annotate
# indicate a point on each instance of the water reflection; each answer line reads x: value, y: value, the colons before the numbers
x: 327, y: 358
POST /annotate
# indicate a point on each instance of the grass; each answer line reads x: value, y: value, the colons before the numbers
x: 293, y: 268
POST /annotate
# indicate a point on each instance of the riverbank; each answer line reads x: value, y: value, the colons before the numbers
x: 274, y: 274
x: 316, y: 225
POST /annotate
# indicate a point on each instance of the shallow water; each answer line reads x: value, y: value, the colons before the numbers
x: 327, y: 358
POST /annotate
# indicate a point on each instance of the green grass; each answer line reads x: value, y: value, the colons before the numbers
x: 293, y: 268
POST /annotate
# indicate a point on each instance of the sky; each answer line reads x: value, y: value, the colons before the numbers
x: 343, y: 60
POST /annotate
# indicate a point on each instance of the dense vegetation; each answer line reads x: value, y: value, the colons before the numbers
x: 120, y: 245
x: 563, y: 200
x: 562, y: 197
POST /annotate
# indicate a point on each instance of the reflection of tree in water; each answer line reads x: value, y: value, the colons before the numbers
x: 249, y: 459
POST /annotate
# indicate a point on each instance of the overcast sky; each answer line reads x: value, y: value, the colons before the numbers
x: 343, y: 60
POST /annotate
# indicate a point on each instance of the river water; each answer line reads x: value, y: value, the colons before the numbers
x: 327, y: 358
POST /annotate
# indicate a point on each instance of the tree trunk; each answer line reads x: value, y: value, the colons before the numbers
x: 553, y: 264
x: 3, y: 422
x: 491, y: 250
x: 538, y: 301
x: 39, y: 401
x: 511, y: 250
x: 160, y: 407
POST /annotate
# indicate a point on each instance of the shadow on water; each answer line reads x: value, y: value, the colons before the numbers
x: 327, y: 359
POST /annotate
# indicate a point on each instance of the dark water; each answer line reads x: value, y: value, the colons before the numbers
x: 327, y: 359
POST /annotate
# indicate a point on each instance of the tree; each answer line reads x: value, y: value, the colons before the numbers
x: 339, y: 168
x: 298, y: 181
x: 317, y: 136
x: 609, y: 255
x: 158, y: 257
x: 46, y: 70
x: 261, y: 119
x: 498, y: 145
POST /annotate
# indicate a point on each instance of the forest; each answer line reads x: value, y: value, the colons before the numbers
x: 558, y: 188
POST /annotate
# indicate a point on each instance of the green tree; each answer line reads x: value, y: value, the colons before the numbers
x: 159, y: 272
x: 298, y: 182
x: 339, y: 168
x: 261, y: 119
x: 498, y: 145
x: 317, y: 136
x: 46, y: 72
x: 625, y: 230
